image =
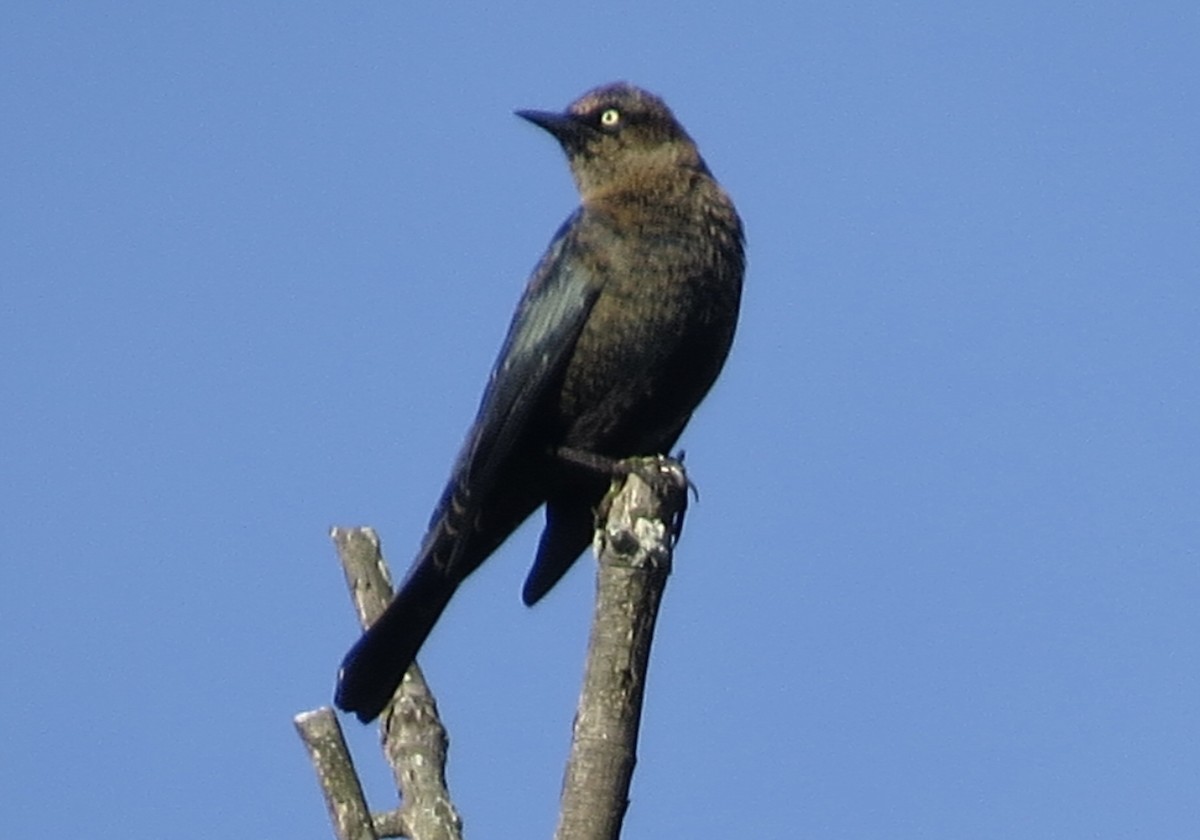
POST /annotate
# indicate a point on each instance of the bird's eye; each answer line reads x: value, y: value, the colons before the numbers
x: 610, y: 117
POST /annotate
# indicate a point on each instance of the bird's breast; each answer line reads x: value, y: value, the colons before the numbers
x: 653, y: 343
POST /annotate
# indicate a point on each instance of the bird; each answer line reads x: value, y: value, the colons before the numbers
x: 623, y: 327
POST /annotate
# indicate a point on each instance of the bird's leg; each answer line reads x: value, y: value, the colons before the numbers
x: 592, y: 461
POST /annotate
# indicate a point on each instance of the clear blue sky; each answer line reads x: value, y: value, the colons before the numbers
x: 944, y: 576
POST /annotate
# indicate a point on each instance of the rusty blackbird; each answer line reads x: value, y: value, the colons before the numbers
x: 622, y: 329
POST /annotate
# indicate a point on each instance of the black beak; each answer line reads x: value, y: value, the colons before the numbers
x: 565, y: 126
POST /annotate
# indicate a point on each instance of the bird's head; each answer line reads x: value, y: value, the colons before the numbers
x: 617, y: 132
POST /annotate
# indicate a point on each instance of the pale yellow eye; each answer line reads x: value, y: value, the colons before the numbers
x: 610, y: 118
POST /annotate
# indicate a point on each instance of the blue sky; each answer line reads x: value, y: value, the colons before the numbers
x: 943, y: 578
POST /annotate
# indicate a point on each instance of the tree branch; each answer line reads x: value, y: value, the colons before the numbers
x: 348, y: 810
x: 641, y: 520
x: 413, y: 738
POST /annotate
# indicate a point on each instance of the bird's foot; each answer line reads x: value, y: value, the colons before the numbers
x: 655, y: 470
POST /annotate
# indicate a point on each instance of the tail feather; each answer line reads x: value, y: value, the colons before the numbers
x: 376, y: 664
x: 569, y: 527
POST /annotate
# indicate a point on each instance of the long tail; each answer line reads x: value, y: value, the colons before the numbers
x: 376, y: 664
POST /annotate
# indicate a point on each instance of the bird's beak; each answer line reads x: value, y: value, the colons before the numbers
x: 565, y: 126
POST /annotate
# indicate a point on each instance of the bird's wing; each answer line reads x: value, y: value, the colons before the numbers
x: 548, y: 320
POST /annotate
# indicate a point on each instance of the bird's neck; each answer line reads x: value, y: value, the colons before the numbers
x: 651, y: 185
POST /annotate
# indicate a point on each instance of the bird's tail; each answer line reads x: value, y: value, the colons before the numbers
x: 376, y: 664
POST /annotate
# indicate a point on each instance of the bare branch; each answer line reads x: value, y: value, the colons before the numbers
x: 348, y: 811
x: 634, y: 549
x: 413, y: 738
x: 641, y: 519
